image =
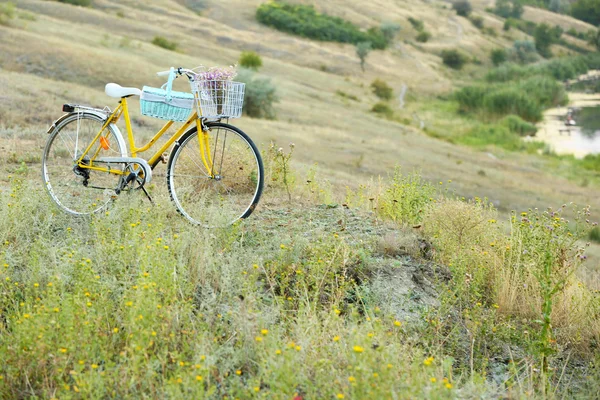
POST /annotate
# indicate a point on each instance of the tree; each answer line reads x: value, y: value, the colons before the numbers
x: 498, y: 56
x: 595, y: 39
x: 462, y: 7
x: 382, y: 89
x: 250, y: 60
x: 509, y: 8
x: 587, y: 10
x: 389, y: 30
x: 523, y: 52
x: 556, y: 6
x: 544, y: 37
x: 362, y: 51
x: 454, y: 59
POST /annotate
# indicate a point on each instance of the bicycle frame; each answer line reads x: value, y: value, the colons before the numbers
x: 123, y: 109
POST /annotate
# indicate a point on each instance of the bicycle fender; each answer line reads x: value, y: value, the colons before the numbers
x: 98, y: 114
x: 101, y: 116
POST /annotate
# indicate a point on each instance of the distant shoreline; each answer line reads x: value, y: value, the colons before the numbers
x: 564, y: 139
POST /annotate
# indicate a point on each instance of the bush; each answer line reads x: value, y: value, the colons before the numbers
x: 477, y: 21
x: 423, y: 36
x: 594, y: 235
x: 259, y: 96
x: 383, y: 109
x: 559, y: 69
x: 545, y: 90
x: 84, y: 3
x: 523, y: 52
x: 497, y: 135
x: 462, y: 7
x: 389, y: 30
x: 545, y: 37
x: 164, y: 43
x: 417, y: 24
x: 516, y: 125
x: 586, y: 10
x: 382, y: 89
x: 7, y: 12
x: 250, y: 60
x: 454, y: 59
x: 305, y: 21
x: 470, y: 98
x: 512, y: 100
x: 498, y: 56
x: 526, y: 98
x: 509, y: 8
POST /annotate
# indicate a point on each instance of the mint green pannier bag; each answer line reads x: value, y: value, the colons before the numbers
x: 165, y: 103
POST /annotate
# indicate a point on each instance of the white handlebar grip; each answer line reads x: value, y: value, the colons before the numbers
x: 163, y: 73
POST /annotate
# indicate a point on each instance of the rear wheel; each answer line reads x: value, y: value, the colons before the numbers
x: 77, y: 190
x: 231, y: 191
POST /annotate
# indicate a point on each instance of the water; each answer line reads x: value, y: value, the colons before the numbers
x: 589, y: 121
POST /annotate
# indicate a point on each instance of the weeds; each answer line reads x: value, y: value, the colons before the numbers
x: 7, y: 12
x: 280, y: 171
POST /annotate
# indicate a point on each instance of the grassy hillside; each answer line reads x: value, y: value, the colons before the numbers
x: 308, y: 298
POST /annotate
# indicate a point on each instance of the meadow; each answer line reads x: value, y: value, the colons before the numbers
x: 402, y: 256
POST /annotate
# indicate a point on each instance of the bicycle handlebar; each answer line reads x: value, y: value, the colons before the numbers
x: 179, y: 71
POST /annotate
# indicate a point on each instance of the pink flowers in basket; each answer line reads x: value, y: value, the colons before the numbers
x: 213, y: 86
x: 216, y: 74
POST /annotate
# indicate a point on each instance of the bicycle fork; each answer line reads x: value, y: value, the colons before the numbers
x: 204, y: 146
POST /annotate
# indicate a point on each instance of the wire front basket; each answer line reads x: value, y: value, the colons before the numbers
x: 218, y: 98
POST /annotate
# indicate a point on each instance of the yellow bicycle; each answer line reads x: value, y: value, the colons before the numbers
x: 214, y: 171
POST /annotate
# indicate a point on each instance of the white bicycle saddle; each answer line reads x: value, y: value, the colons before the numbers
x: 118, y: 91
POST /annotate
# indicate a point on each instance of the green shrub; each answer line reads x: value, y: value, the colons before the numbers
x: 560, y: 69
x: 523, y: 52
x: 405, y: 199
x: 516, y: 125
x: 305, y: 21
x: 498, y: 56
x: 595, y: 39
x: 594, y: 235
x: 546, y: 91
x: 250, y: 60
x: 259, y: 96
x: 471, y: 98
x: 423, y: 36
x: 383, y: 109
x: 586, y: 10
x: 545, y: 37
x: 497, y: 135
x: 477, y: 21
x: 164, y: 43
x: 509, y: 8
x: 526, y: 98
x: 84, y: 3
x: 462, y: 7
x: 591, y: 162
x: 7, y: 12
x: 512, y: 100
x: 417, y: 24
x: 382, y: 89
x: 454, y: 59
x: 389, y: 30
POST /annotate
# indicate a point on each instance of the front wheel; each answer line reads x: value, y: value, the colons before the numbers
x: 221, y: 186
